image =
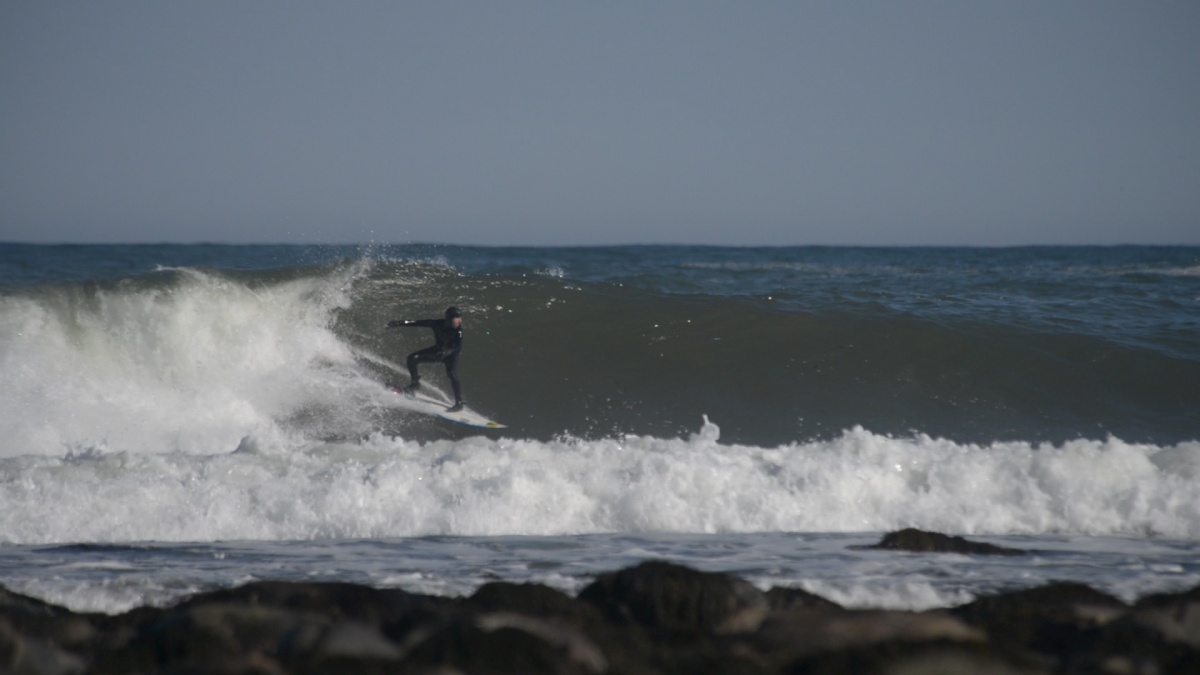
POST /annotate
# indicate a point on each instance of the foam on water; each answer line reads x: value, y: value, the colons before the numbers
x: 389, y: 487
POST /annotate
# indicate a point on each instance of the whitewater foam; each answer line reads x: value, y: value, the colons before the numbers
x: 191, y: 366
x: 389, y: 487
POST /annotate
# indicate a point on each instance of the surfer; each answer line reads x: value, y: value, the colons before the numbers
x: 448, y: 337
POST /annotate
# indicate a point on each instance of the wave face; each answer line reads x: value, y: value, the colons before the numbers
x: 170, y: 393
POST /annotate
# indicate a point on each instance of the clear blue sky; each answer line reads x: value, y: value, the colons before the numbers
x: 558, y: 123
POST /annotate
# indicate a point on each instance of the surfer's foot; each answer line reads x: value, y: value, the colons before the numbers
x: 456, y: 407
x: 411, y: 389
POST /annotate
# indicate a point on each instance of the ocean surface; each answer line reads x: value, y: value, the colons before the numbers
x: 176, y: 419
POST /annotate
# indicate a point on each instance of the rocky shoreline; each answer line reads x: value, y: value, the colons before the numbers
x: 651, y: 619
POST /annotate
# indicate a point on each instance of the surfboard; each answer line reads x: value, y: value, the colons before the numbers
x: 422, y: 401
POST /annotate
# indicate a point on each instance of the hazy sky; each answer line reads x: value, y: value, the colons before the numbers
x: 570, y: 122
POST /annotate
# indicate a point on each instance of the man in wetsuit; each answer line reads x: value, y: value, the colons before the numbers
x: 448, y: 337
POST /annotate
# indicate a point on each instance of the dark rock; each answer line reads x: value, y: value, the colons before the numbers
x: 1160, y: 634
x: 800, y: 634
x: 249, y: 638
x: 21, y: 654
x: 343, y: 643
x: 38, y: 637
x: 191, y: 635
x: 920, y: 541
x: 117, y: 631
x: 783, y: 599
x: 1066, y: 600
x: 1161, y: 600
x: 54, y: 623
x: 11, y: 602
x: 1052, y: 620
x: 673, y: 597
x: 626, y: 650
x: 503, y: 643
x: 264, y: 626
x: 653, y: 619
x: 533, y: 600
x: 1140, y: 641
x: 914, y: 658
x: 333, y: 600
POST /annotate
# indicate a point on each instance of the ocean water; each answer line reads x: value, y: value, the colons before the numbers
x: 182, y: 418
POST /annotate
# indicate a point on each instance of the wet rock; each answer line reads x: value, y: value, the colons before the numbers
x: 783, y: 599
x: 1160, y: 634
x: 227, y: 637
x: 533, y: 600
x: 1169, y: 600
x: 51, y: 622
x: 653, y: 619
x: 673, y: 597
x: 194, y: 635
x: 333, y: 600
x: 626, y: 649
x: 501, y: 644
x: 1140, y: 641
x: 1178, y: 624
x: 348, y: 645
x: 920, y: 541
x: 1054, y: 622
x: 38, y: 637
x: 914, y: 658
x: 1062, y: 601
x: 797, y: 634
x: 22, y: 654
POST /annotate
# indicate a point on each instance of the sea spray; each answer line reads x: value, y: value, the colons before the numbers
x: 191, y: 362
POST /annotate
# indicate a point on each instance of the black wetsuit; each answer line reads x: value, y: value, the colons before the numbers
x: 448, y: 344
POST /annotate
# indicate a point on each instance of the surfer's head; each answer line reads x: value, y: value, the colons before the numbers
x: 454, y: 316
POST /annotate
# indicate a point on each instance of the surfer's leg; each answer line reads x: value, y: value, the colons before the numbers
x: 421, y: 356
x: 413, y: 375
x: 452, y: 373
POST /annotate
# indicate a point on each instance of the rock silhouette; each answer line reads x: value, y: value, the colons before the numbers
x: 650, y: 619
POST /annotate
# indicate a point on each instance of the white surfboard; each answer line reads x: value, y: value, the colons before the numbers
x: 422, y: 401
